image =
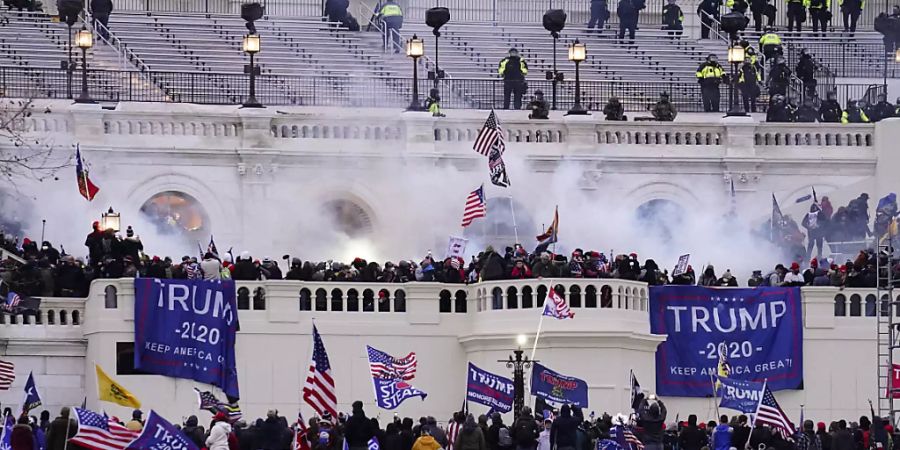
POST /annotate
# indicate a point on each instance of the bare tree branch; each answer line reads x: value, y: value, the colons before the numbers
x: 23, y: 153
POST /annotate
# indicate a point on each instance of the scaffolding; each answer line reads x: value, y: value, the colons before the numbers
x: 888, y: 325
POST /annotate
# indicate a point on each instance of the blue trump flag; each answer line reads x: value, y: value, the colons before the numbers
x: 740, y: 395
x: 187, y: 329
x: 6, y: 434
x: 390, y: 393
x: 490, y: 390
x: 558, y: 388
x: 32, y: 396
x: 760, y: 332
x: 159, y: 434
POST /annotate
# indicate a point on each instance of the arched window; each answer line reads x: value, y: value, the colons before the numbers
x: 541, y: 295
x: 305, y: 300
x: 259, y: 299
x: 352, y: 300
x: 575, y: 296
x: 512, y: 298
x: 384, y: 301
x: 444, y: 302
x: 243, y: 298
x: 840, y: 305
x: 461, y: 304
x: 590, y: 296
x: 527, y: 297
x: 76, y: 318
x: 337, y: 300
x: 177, y: 213
x: 399, y: 300
x: 321, y: 300
x: 855, y: 306
x: 368, y: 301
x: 111, y: 298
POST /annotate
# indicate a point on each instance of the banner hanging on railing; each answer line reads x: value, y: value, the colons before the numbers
x: 187, y: 329
x: 759, y: 331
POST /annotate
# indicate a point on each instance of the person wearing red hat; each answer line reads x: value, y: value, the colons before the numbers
x: 823, y: 435
x: 218, y: 434
x: 92, y: 242
x: 793, y: 278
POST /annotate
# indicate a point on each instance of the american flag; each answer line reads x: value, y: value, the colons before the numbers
x: 12, y: 301
x: 301, y: 432
x: 769, y: 413
x: 489, y: 136
x: 383, y: 365
x: 453, y: 432
x: 632, y: 439
x: 476, y: 206
x: 556, y: 306
x: 319, y: 391
x: 100, y: 432
x: 209, y: 402
x: 7, y: 375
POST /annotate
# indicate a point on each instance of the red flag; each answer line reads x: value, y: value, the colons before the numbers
x: 86, y: 188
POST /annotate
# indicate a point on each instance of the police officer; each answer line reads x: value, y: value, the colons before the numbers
x: 807, y: 112
x: 854, y: 114
x: 707, y: 10
x: 830, y: 111
x: 628, y: 12
x: 851, y: 9
x: 748, y: 82
x: 664, y: 110
x: 806, y: 72
x: 599, y: 14
x: 433, y: 103
x: 737, y: 5
x: 513, y: 70
x: 673, y: 18
x: 796, y: 14
x: 881, y: 110
x: 392, y: 16
x: 779, y: 111
x: 779, y: 77
x: 538, y: 106
x: 709, y: 75
x: 819, y: 14
x: 770, y: 43
x: 758, y: 9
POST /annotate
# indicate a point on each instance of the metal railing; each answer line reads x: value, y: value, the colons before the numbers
x: 127, y: 58
x: 526, y: 11
x: 848, y: 59
x: 231, y: 89
x: 273, y: 8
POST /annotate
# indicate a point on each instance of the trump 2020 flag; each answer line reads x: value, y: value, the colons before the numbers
x: 740, y: 395
x: 390, y: 393
x: 32, y: 397
x: 556, y: 306
x: 159, y: 434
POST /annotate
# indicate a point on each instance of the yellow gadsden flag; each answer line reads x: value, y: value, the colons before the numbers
x: 110, y: 391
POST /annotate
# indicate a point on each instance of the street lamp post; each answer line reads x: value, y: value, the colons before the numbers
x: 577, y: 54
x: 84, y: 39
x: 415, y: 49
x: 251, y: 46
x: 518, y: 364
x: 111, y: 220
x: 735, y: 56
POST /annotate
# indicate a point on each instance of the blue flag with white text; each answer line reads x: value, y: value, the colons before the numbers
x: 159, y: 434
x: 32, y: 396
x: 740, y: 395
x: 6, y: 433
x: 373, y: 444
x: 759, y: 330
x: 490, y: 390
x: 187, y: 329
x: 390, y: 393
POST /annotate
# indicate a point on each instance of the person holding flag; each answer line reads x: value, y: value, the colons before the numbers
x: 218, y: 434
x: 108, y: 390
x: 652, y: 418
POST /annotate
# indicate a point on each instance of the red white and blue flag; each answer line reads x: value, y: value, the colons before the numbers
x: 556, y: 306
x: 319, y: 391
x: 769, y: 413
x: 476, y: 206
x: 86, y: 188
x: 384, y: 365
x: 98, y: 432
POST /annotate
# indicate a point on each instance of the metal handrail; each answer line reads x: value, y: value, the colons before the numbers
x: 115, y: 43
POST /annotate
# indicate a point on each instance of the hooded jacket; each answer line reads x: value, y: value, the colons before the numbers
x: 470, y: 437
x: 564, y: 430
x: 426, y: 443
x: 218, y: 436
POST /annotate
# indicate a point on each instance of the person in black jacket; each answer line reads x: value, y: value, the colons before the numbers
x: 100, y: 10
x: 806, y: 72
x: 707, y: 10
x: 359, y: 428
x: 564, y: 430
x: 673, y: 18
x: 758, y: 10
x: 513, y: 69
x: 599, y: 15
x: 779, y: 77
x: 741, y: 433
x: 830, y: 111
x: 194, y: 432
x: 244, y: 269
x: 692, y: 437
x: 628, y: 12
x: 652, y: 418
x: 525, y: 431
x: 492, y: 264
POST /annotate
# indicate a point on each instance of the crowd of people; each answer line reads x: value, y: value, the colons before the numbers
x: 564, y: 429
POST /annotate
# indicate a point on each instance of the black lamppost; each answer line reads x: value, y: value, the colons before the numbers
x: 736, y: 55
x: 577, y: 54
x: 518, y: 364
x: 250, y: 46
x: 84, y: 39
x: 415, y: 49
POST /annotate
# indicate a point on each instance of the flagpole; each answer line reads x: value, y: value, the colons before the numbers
x: 512, y: 210
x: 68, y: 423
x: 537, y: 335
x: 715, y: 395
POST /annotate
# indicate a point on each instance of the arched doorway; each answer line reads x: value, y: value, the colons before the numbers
x: 660, y: 218
x: 348, y: 217
x: 176, y: 213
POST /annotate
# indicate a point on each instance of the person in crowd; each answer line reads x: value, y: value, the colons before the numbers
x: 691, y: 437
x: 708, y: 10
x: 614, y: 110
x: 830, y: 111
x: 770, y: 44
x: 815, y: 229
x: 194, y: 431
x: 544, y: 437
x: 525, y: 430
x: 807, y: 439
x: 807, y: 112
x: 244, y: 269
x: 60, y: 430
x: 850, y: 11
x: 779, y: 110
x: 513, y: 69
x: 727, y: 280
x: 433, y: 103
x: 664, y: 110
x: 629, y: 12
x: 721, y: 435
x: 652, y: 419
x: 137, y: 422
x: 854, y: 114
x: 336, y: 11
x: 100, y: 11
x: 779, y: 77
x: 391, y: 14
x: 426, y: 441
x: 498, y: 437
x: 709, y: 75
x: 793, y: 278
x: 359, y: 428
x: 756, y: 279
x: 748, y: 83
x: 806, y: 72
x: 563, y: 432
x: 882, y: 109
x: 470, y: 436
x: 599, y: 15
x: 796, y: 14
x: 740, y: 432
x: 22, y: 435
x: 673, y: 18
x: 211, y: 267
x: 538, y: 106
x: 219, y: 432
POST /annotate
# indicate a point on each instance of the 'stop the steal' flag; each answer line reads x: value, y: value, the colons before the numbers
x: 390, y: 376
x: 159, y: 434
x: 187, y: 329
x: 489, y: 390
x: 558, y: 388
x: 390, y: 393
x: 758, y: 331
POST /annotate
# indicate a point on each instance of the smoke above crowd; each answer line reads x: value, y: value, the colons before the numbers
x: 403, y: 209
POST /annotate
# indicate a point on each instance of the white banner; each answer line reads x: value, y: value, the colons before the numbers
x: 682, y: 265
x: 456, y: 247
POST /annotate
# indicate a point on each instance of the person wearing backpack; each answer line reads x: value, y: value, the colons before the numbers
x: 525, y: 430
x: 497, y: 437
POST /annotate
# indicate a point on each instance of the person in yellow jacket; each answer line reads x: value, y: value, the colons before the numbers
x: 709, y: 75
x: 391, y: 14
x: 426, y: 441
x: 796, y: 14
x: 854, y: 114
x: 433, y: 103
x: 513, y: 70
x: 770, y: 43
